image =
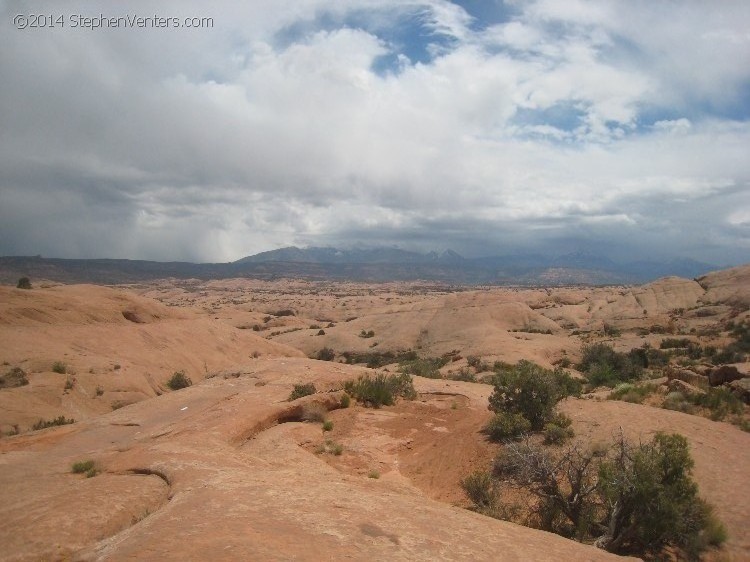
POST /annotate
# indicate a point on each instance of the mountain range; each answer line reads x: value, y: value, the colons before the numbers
x: 363, y: 265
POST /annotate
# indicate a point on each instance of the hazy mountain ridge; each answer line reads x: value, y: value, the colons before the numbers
x: 370, y: 265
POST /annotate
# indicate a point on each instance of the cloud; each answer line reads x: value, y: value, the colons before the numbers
x: 552, y: 127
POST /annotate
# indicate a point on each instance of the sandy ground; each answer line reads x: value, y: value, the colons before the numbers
x: 227, y: 469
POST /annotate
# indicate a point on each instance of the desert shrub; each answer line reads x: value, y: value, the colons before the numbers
x: 367, y: 334
x: 345, y: 400
x: 59, y: 367
x: 44, y: 424
x: 529, y: 330
x: 69, y: 383
x: 605, y: 366
x: 326, y: 354
x: 428, y: 367
x: 531, y: 391
x: 507, y: 425
x: 720, y: 401
x: 330, y: 447
x: 13, y: 378
x: 481, y: 489
x: 256, y: 327
x: 464, y: 375
x: 23, y: 283
x: 313, y: 412
x: 85, y: 467
x: 179, y: 380
x: 374, y: 474
x: 557, y: 435
x: 328, y: 425
x: 672, y: 343
x: 654, y: 500
x: 677, y: 401
x: 380, y: 389
x: 300, y: 390
x: 563, y: 362
x: 284, y: 312
x: 321, y: 332
x: 628, y: 392
x: 633, y: 499
x: 612, y: 331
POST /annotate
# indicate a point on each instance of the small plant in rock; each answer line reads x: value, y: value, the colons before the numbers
x: 313, y: 412
x: 374, y: 474
x: 331, y: 448
x: 179, y: 380
x: 44, y: 424
x: 345, y: 400
x: 326, y: 354
x: 85, y: 467
x: 300, y: 390
x: 481, y: 489
x: 328, y: 425
x: 59, y: 367
x: 13, y: 378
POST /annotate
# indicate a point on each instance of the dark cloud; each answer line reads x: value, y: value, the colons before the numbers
x: 608, y: 127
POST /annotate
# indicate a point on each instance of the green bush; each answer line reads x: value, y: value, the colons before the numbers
x: 23, y: 283
x: 381, y: 390
x: 606, y: 367
x: 328, y: 425
x: 179, y: 380
x: 300, y: 390
x: 531, y: 391
x: 627, y: 499
x: 506, y: 425
x: 654, y: 500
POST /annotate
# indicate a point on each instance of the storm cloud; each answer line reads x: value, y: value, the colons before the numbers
x: 620, y: 128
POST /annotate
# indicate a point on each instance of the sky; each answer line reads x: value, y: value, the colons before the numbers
x: 620, y: 129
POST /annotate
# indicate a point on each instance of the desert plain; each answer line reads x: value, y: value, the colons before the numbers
x: 231, y: 468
